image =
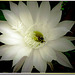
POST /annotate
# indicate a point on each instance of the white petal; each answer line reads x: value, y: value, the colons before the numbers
x: 58, y: 32
x: 47, y: 53
x: 62, y: 59
x: 38, y: 62
x: 12, y: 19
x: 44, y: 12
x: 61, y: 30
x: 10, y: 53
x: 25, y: 15
x: 3, y: 49
x: 7, y: 30
x: 62, y: 44
x: 33, y: 7
x: 28, y: 65
x: 67, y: 24
x: 19, y: 64
x: 69, y: 38
x: 55, y: 15
x: 10, y: 40
x: 14, y: 8
x: 24, y: 51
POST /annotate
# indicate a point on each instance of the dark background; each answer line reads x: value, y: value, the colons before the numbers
x: 68, y: 8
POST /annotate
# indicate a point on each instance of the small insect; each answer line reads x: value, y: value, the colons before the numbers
x: 38, y: 37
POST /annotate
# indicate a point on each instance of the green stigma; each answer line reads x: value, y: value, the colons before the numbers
x: 37, y: 36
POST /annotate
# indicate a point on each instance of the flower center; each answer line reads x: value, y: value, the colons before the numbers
x: 34, y: 39
x: 38, y: 37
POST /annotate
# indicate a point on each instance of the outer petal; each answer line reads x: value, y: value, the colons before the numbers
x: 10, y: 40
x: 14, y: 8
x: 67, y: 24
x: 25, y: 15
x: 7, y: 30
x: 62, y: 45
x: 19, y: 64
x: 23, y: 51
x: 69, y: 38
x: 55, y: 15
x: 12, y: 19
x: 44, y: 12
x: 62, y: 59
x: 28, y: 65
x: 10, y: 52
x: 3, y: 49
x: 47, y: 53
x: 58, y: 32
x: 33, y: 7
x: 38, y: 62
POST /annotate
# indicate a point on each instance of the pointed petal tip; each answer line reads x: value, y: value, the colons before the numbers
x: 71, y: 67
x: 11, y: 4
x: 20, y: 3
x: 28, y: 65
x: 63, y: 60
x: 59, y: 4
x: 70, y: 38
x: 19, y: 64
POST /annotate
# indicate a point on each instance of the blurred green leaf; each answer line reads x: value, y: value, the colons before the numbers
x: 67, y: 54
x: 2, y: 16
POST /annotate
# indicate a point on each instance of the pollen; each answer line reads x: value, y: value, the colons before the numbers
x: 38, y: 36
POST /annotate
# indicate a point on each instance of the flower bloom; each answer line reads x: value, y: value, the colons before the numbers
x: 33, y: 36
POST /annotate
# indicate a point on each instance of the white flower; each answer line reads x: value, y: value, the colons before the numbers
x: 34, y: 34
